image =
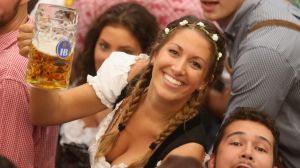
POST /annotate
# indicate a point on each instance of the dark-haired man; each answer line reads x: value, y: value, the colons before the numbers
x: 265, y: 61
x: 247, y: 138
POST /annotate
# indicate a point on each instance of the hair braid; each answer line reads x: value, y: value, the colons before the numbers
x: 186, y: 113
x: 130, y: 104
x: 137, y: 93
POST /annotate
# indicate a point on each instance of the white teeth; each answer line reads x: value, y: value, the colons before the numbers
x: 172, y: 80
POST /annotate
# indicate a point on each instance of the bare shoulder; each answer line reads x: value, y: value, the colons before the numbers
x: 190, y: 155
x: 193, y: 150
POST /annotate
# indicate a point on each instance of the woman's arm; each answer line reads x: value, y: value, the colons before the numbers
x: 174, y: 161
x: 190, y: 151
x: 48, y: 107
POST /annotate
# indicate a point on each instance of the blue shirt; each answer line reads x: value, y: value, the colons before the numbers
x: 266, y: 69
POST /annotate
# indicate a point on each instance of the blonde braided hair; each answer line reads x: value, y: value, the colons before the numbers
x: 129, y: 105
x: 187, y: 112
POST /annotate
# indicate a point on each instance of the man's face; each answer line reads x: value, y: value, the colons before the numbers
x: 8, y: 11
x: 245, y: 144
x: 221, y: 11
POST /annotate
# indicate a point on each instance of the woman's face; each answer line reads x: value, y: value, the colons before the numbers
x: 115, y: 38
x: 181, y: 65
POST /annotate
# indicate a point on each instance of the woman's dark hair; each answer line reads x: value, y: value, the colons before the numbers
x: 249, y: 114
x: 136, y: 18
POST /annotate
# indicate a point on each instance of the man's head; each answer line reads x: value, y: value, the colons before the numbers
x: 247, y: 138
x: 12, y: 13
x: 221, y: 11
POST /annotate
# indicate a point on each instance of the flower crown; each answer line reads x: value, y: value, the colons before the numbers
x: 200, y: 25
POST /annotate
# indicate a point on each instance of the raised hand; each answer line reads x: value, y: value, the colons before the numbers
x: 25, y: 39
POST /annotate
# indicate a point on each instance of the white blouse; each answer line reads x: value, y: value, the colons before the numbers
x: 101, y: 162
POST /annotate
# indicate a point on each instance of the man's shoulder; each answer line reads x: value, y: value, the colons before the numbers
x: 279, y: 33
x: 268, y: 10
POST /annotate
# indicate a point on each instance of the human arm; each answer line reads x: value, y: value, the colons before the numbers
x: 53, y: 107
x: 48, y: 107
x: 190, y: 155
x: 94, y: 120
x: 178, y: 161
x: 261, y: 79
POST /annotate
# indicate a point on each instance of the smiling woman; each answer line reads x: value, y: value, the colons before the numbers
x: 167, y: 95
x: 160, y: 117
x: 181, y: 66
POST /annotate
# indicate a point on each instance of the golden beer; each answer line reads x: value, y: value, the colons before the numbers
x: 48, y: 71
x: 53, y: 44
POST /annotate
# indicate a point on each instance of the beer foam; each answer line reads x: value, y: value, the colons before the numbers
x: 46, y: 46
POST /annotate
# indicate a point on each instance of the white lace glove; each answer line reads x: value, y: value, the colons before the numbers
x: 112, y: 76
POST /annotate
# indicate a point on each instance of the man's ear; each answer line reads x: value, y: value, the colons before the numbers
x: 211, y: 161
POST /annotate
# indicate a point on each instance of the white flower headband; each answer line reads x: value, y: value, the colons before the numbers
x: 201, y: 26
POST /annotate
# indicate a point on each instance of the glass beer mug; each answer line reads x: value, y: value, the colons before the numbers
x: 53, y: 44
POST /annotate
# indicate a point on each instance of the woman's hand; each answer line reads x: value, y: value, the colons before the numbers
x: 140, y: 64
x: 25, y: 39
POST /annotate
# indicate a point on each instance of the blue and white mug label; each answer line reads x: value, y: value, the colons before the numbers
x: 63, y: 48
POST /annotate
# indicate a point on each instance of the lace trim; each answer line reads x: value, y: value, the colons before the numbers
x: 75, y: 131
x: 122, y: 67
x: 92, y: 80
x: 101, y: 162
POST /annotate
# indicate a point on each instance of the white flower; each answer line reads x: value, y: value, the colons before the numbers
x: 167, y: 30
x: 219, y: 55
x: 158, y: 163
x: 201, y: 24
x: 184, y: 22
x: 215, y: 37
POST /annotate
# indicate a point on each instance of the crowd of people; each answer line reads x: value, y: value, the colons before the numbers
x: 164, y: 84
